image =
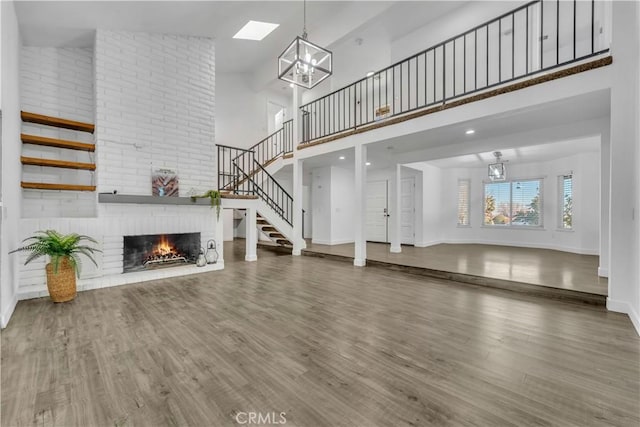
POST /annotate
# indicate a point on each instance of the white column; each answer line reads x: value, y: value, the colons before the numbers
x: 298, y: 241
x: 360, y: 196
x: 251, y: 239
x: 295, y: 115
x: 396, y: 212
x: 219, y: 233
x: 605, y: 172
x: 624, y: 286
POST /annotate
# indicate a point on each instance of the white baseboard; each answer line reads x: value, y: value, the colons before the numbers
x: 603, y: 272
x: 331, y: 242
x: 123, y: 279
x: 359, y: 262
x: 395, y: 249
x: 6, y: 315
x: 427, y: 244
x: 626, y: 308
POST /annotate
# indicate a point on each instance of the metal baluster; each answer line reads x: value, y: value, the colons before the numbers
x: 593, y: 23
x: 557, y: 32
x: 499, y: 50
x: 541, y: 34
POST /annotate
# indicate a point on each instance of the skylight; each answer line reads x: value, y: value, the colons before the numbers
x: 255, y: 30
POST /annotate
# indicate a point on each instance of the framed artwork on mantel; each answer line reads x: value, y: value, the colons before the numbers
x: 164, y: 183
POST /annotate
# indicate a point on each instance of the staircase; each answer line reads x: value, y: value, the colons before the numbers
x: 244, y: 172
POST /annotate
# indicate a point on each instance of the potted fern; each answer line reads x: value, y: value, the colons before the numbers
x: 65, y: 263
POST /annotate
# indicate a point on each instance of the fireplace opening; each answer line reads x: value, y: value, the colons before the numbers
x: 154, y: 251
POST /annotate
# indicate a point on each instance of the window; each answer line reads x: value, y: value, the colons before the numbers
x: 566, y: 201
x: 463, y: 202
x: 513, y: 203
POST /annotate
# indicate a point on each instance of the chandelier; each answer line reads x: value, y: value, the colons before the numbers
x: 304, y: 63
x: 497, y: 171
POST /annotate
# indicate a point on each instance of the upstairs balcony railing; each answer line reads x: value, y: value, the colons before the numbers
x: 534, y: 38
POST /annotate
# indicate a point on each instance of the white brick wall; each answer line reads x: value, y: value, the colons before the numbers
x: 154, y: 109
x: 119, y: 220
x: 57, y: 82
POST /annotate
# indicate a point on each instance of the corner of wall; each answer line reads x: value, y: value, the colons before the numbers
x: 5, y: 316
x: 11, y: 168
x: 626, y: 308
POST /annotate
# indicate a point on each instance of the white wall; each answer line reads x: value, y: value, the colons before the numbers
x: 57, y: 82
x: 352, y: 61
x: 440, y: 222
x: 624, y: 281
x: 241, y: 119
x: 11, y: 146
x: 155, y: 108
x: 432, y: 194
x: 449, y: 25
x: 332, y: 205
x: 342, y: 205
x: 321, y: 205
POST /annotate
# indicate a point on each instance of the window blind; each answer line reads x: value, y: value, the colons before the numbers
x: 463, y: 201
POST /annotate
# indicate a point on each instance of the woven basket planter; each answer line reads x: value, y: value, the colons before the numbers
x: 62, y: 285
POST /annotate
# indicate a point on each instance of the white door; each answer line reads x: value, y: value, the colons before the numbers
x: 377, y: 211
x: 407, y: 213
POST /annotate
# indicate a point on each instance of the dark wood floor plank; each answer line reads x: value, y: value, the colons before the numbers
x: 324, y: 342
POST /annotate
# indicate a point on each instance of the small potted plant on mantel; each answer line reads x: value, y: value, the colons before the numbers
x: 65, y: 263
x: 215, y: 197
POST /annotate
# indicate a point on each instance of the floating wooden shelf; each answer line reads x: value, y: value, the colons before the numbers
x: 58, y: 143
x: 68, y: 187
x: 34, y: 161
x: 56, y: 122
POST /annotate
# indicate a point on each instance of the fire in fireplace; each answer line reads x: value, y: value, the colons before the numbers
x: 159, y: 251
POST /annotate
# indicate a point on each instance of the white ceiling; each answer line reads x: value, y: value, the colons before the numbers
x: 72, y: 23
x: 528, y: 154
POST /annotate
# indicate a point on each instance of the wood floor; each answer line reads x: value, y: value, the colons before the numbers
x: 542, y: 267
x: 324, y: 342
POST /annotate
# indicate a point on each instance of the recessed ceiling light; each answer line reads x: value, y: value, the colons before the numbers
x: 470, y: 132
x: 370, y: 73
x: 290, y: 84
x: 368, y: 163
x: 255, y: 30
x: 341, y: 157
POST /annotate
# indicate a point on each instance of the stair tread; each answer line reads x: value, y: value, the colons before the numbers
x: 34, y: 161
x: 56, y: 122
x: 58, y: 143
x: 69, y: 187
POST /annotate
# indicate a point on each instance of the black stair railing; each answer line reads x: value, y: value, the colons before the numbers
x: 242, y: 171
x: 279, y: 142
x: 230, y: 159
x: 263, y: 185
x: 534, y: 38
